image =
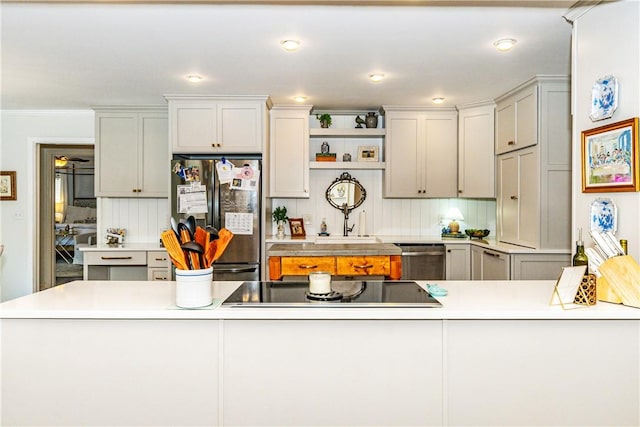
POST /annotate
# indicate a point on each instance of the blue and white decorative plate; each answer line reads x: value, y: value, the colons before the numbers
x: 604, y: 216
x: 604, y: 98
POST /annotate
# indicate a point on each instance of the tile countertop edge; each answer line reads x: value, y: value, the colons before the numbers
x: 467, y: 300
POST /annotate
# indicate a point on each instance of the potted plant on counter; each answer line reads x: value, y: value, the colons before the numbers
x: 279, y: 215
x: 325, y: 120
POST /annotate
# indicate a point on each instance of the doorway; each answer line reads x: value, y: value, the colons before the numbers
x: 67, y: 211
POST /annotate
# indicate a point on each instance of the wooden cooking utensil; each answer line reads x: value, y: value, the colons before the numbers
x: 225, y: 237
x: 171, y: 244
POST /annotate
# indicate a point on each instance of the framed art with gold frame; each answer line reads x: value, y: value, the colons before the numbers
x: 8, y: 185
x: 610, y: 158
x: 297, y: 228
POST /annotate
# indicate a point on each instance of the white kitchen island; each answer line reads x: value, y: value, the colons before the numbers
x: 496, y: 353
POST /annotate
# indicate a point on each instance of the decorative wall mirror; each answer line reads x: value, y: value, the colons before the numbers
x: 346, y: 193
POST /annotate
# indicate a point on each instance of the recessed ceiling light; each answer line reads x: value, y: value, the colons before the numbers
x: 300, y: 98
x: 504, y: 44
x: 290, y: 45
x: 438, y: 100
x: 193, y: 78
x: 376, y: 77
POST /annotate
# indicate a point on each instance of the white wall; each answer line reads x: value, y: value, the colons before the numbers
x: 606, y: 41
x: 408, y: 217
x: 21, y: 131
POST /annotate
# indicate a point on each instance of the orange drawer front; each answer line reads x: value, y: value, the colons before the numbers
x: 364, y: 265
x: 299, y: 265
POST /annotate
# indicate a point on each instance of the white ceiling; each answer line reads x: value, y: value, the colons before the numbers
x: 73, y: 56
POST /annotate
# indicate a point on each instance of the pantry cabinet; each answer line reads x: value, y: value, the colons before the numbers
x: 289, y: 151
x: 516, y: 119
x: 533, y: 191
x: 421, y: 152
x: 131, y: 152
x: 217, y: 124
x: 476, y: 148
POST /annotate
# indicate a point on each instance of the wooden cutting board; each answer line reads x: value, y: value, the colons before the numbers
x: 620, y: 281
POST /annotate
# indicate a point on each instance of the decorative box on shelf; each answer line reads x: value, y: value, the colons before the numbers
x: 325, y: 157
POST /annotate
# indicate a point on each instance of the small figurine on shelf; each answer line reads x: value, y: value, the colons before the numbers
x: 324, y: 148
x: 346, y: 157
x: 360, y: 122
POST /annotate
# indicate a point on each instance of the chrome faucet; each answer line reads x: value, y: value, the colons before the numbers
x: 345, y: 211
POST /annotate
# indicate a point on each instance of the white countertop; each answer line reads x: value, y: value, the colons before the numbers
x: 489, y: 243
x: 156, y: 300
x: 147, y: 246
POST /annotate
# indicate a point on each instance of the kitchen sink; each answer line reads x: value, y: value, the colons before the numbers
x: 346, y: 239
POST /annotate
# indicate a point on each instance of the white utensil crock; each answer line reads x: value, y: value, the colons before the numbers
x: 193, y: 288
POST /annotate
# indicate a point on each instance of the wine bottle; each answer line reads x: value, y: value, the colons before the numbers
x: 580, y: 258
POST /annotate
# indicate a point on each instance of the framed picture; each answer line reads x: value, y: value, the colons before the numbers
x: 610, y: 158
x: 297, y: 228
x: 8, y: 186
x: 368, y: 154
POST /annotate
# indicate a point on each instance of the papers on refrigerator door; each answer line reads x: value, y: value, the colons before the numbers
x: 245, y: 178
x: 225, y: 171
x: 192, y: 199
x: 239, y: 223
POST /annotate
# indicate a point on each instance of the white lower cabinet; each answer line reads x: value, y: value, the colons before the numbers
x: 538, y: 266
x: 457, y: 259
x: 301, y: 385
x: 126, y: 265
x: 487, y: 264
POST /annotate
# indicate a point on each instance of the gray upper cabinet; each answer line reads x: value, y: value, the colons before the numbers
x: 131, y: 152
x: 217, y: 124
x: 421, y: 152
x: 476, y: 153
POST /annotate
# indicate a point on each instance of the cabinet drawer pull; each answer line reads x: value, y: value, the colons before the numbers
x: 511, y: 143
x: 514, y: 197
x: 161, y: 259
x: 308, y: 267
x: 492, y: 254
x: 115, y: 257
x: 363, y: 266
x: 160, y: 278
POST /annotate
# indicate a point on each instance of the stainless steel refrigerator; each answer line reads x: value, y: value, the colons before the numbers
x: 222, y: 191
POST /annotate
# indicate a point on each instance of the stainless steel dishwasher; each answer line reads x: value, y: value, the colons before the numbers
x: 423, y: 262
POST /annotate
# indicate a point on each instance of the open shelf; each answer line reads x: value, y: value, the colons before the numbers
x: 364, y: 132
x: 346, y: 165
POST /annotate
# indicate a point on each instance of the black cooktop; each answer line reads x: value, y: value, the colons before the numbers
x: 357, y: 293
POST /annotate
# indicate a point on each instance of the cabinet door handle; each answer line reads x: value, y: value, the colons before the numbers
x: 514, y: 197
x: 115, y: 257
x: 307, y: 267
x: 363, y: 266
x: 492, y: 254
x: 511, y: 143
x: 216, y: 145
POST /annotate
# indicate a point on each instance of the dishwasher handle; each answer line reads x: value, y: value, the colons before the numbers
x: 423, y: 253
